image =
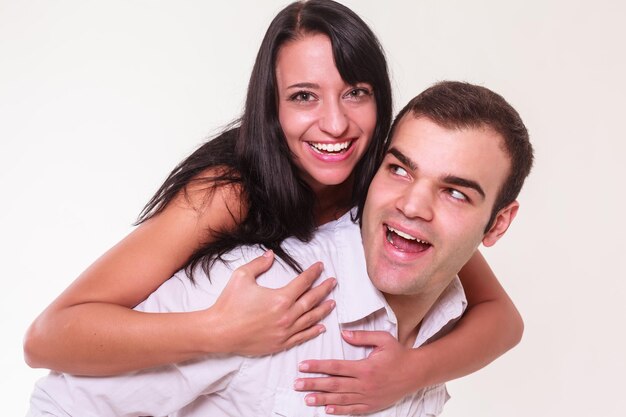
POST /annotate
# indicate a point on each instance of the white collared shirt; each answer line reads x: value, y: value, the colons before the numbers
x: 230, y: 385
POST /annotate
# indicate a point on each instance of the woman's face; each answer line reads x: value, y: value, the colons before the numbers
x: 328, y: 123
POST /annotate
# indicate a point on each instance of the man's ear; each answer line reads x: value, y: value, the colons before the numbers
x: 502, y: 222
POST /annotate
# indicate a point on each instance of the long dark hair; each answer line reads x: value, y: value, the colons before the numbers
x: 255, y: 155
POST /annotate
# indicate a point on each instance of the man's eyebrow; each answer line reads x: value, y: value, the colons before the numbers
x: 463, y: 182
x: 304, y: 85
x: 448, y: 179
x: 402, y: 158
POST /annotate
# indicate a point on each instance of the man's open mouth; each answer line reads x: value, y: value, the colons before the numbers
x: 405, y: 242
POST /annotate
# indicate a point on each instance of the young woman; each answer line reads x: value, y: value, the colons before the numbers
x: 317, y: 113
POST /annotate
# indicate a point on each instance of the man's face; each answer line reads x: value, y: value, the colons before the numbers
x: 429, y: 203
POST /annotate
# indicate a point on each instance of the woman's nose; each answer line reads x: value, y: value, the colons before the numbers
x: 333, y: 119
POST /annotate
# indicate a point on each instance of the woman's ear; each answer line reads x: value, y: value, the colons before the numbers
x: 502, y: 222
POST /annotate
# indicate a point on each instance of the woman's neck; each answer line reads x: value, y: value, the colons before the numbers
x: 332, y: 202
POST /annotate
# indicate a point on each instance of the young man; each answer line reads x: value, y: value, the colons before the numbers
x: 456, y: 162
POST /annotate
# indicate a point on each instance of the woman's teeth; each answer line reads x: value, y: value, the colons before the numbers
x: 330, y: 147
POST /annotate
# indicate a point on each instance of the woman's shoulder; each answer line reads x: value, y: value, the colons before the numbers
x: 217, y: 198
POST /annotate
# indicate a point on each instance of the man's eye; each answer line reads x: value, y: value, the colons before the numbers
x: 398, y: 170
x: 457, y: 195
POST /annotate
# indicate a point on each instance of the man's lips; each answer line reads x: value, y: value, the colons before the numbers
x: 405, y: 242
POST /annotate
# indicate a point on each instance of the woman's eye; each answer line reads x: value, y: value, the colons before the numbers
x: 398, y: 170
x: 457, y: 195
x: 358, y: 93
x: 302, y: 96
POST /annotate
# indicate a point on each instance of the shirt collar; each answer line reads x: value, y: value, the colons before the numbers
x: 444, y: 313
x: 355, y: 294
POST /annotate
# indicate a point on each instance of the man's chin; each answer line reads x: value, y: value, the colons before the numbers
x: 393, y: 283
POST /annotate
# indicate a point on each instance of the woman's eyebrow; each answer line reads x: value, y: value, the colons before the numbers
x: 304, y: 85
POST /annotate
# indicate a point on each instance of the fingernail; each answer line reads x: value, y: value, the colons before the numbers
x: 299, y: 384
x: 334, y: 282
x: 347, y: 333
x: 330, y: 409
x: 321, y: 330
x: 310, y: 400
x: 303, y: 366
x: 332, y: 303
x: 268, y: 253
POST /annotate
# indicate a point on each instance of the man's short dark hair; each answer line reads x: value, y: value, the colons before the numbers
x: 459, y: 105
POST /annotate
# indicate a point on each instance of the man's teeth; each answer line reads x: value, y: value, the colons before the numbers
x: 330, y: 147
x: 406, y: 235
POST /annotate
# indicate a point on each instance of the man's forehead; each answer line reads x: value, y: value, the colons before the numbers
x: 423, y: 121
x: 473, y: 152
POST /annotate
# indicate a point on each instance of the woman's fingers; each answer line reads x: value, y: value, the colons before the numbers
x: 306, y: 300
x: 312, y: 298
x: 300, y: 284
x: 312, y: 317
x: 251, y: 270
x: 333, y: 398
x: 308, y: 307
x: 271, y: 320
x: 359, y: 386
x: 336, y: 367
x: 304, y: 335
x: 348, y: 409
x: 328, y: 384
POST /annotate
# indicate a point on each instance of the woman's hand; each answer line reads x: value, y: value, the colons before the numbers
x: 362, y: 386
x: 490, y: 326
x: 258, y: 320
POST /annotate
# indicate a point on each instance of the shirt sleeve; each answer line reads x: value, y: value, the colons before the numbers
x: 155, y: 392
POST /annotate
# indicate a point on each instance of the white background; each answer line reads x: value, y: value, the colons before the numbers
x: 99, y: 100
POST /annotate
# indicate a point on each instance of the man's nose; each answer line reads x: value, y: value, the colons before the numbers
x: 417, y: 202
x: 333, y: 119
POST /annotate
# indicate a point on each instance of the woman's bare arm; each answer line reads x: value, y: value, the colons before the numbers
x: 490, y: 327
x: 91, y: 329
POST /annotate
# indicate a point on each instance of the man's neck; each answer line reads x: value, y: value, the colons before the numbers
x: 410, y: 310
